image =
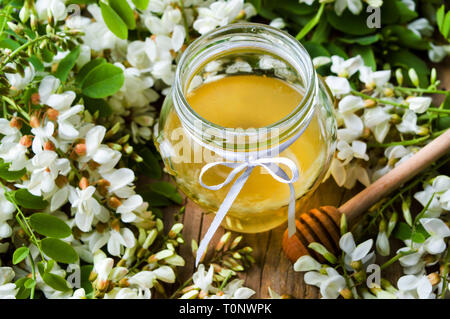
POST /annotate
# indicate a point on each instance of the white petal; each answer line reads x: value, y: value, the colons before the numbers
x: 408, y: 282
x: 362, y: 250
x: 347, y: 243
x: 306, y: 263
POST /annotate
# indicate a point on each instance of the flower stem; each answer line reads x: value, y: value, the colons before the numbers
x: 396, y: 257
x: 22, y: 47
x: 445, y: 273
x: 16, y: 107
x: 420, y: 90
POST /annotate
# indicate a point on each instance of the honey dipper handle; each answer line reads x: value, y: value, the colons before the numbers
x: 396, y: 177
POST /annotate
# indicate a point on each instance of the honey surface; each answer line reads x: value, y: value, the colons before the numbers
x: 244, y: 101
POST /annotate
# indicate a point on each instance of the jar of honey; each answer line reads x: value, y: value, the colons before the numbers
x: 243, y: 93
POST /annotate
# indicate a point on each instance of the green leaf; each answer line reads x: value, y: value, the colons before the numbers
x: 113, y: 21
x: 418, y: 238
x: 366, y: 54
x: 322, y: 32
x: 311, y: 24
x: 8, y: 43
x: 123, y: 9
x: 315, y: 49
x: 88, y: 67
x: 446, y: 26
x: 27, y: 200
x: 20, y: 254
x: 23, y: 292
x: 402, y: 231
x: 104, y: 80
x: 8, y: 175
x: 66, y: 64
x: 155, y: 200
x: 38, y: 66
x: 85, y: 283
x: 295, y: 7
x: 364, y: 40
x: 167, y: 190
x: 30, y: 283
x: 100, y: 105
x: 58, y: 250
x: 56, y: 282
x: 349, y: 23
x: 403, y: 12
x: 335, y: 49
x: 406, y: 60
x: 150, y: 165
x: 141, y: 4
x: 407, y: 38
x: 440, y: 15
x: 49, y: 225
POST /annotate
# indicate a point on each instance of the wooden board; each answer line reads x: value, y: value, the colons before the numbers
x: 272, y: 268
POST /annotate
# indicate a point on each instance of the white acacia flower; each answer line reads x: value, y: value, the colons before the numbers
x: 411, y: 4
x: 120, y: 182
x: 278, y: 23
x: 164, y: 25
x: 128, y: 293
x: 119, y: 240
x: 330, y: 284
x: 67, y: 117
x: 356, y: 253
x: 8, y: 290
x: 441, y: 185
x: 79, y: 294
x: 18, y: 81
x: 239, y: 66
x: 218, y: 14
x: 421, y: 27
x: 49, y: 84
x: 308, y: 2
x: 355, y: 6
x: 143, y: 279
x: 319, y: 61
x: 102, y: 266
x: 357, y: 150
x: 56, y: 7
x: 346, y: 68
x: 86, y: 208
x: 373, y: 79
x: 419, y: 104
x: 203, y: 279
x: 98, y: 152
x: 307, y: 263
x: 423, y: 197
x: 414, y: 287
x: 408, y: 125
x: 6, y: 213
x: 42, y: 134
x: 338, y: 86
x: 437, y: 53
x: 45, y: 167
x: 377, y: 119
x: 10, y: 134
x: 128, y: 206
x: 15, y: 154
x: 234, y: 290
x: 438, y: 231
x: 395, y: 155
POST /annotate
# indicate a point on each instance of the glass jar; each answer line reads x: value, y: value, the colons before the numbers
x: 187, y: 142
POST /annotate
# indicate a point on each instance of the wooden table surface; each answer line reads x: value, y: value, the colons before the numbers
x: 272, y: 269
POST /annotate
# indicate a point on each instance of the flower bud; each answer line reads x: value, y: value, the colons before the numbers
x: 223, y: 241
x: 399, y: 76
x: 369, y: 103
x: 433, y: 76
x: 15, y: 122
x: 34, y: 121
x: 80, y: 149
x: 84, y: 183
x: 343, y: 224
x: 434, y: 278
x: 413, y: 77
x: 406, y: 203
x: 33, y: 21
x: 423, y: 131
x: 150, y: 238
x: 52, y: 114
x: 61, y: 181
x: 128, y: 149
x: 18, y: 29
x: 356, y: 265
x: 235, y: 242
x: 175, y: 230
x: 395, y: 118
x: 115, y: 224
x: 49, y: 146
x: 388, y: 92
x: 26, y: 140
x: 114, y: 202
x: 346, y: 293
x: 35, y: 98
x: 24, y: 13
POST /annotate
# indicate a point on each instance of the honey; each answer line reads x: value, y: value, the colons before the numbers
x: 245, y: 102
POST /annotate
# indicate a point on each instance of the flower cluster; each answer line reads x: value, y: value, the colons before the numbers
x: 424, y: 258
x: 373, y: 115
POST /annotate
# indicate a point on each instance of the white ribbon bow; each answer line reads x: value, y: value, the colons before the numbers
x: 271, y: 164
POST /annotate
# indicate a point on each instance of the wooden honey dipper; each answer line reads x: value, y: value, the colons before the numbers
x: 322, y: 224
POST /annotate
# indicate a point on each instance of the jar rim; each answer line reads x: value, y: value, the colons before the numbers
x: 300, y: 116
